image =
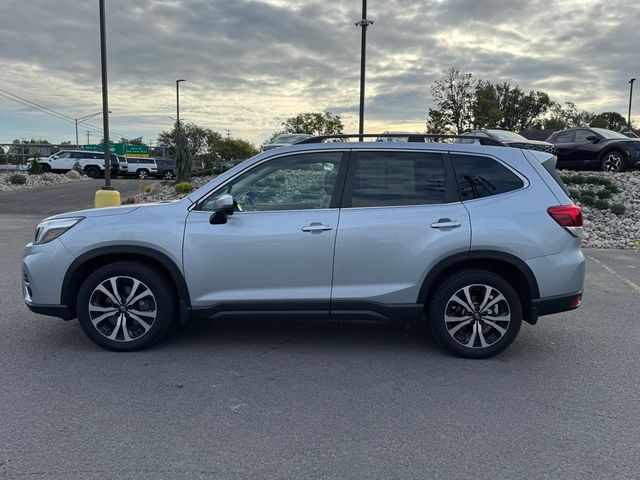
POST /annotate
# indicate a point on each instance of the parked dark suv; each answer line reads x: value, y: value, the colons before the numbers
x: 596, y: 148
x: 510, y: 139
x: 166, y: 168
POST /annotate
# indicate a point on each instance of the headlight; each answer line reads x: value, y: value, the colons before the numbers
x: 52, y: 229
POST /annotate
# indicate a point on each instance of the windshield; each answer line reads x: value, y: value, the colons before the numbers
x: 291, y: 138
x: 506, y: 135
x: 609, y: 133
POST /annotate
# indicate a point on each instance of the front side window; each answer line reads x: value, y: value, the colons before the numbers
x: 565, y: 137
x: 295, y: 182
x: 480, y: 176
x: 398, y: 178
x: 63, y: 155
x: 581, y: 136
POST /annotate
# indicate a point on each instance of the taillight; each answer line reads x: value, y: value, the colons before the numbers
x: 568, y: 216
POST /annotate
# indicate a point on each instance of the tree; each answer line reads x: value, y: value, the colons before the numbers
x: 314, y: 123
x: 436, y: 123
x: 566, y: 116
x: 196, y: 139
x: 508, y: 107
x: 131, y: 141
x: 230, y: 149
x: 610, y: 120
x: 453, y: 95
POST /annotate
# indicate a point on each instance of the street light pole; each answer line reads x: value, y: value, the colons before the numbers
x: 105, y: 99
x: 364, y: 23
x: 178, y: 113
x: 630, y: 97
x: 82, y: 119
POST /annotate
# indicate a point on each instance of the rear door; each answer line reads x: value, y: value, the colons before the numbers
x: 401, y: 215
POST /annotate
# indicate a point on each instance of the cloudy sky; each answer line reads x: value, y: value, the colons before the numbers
x: 251, y: 63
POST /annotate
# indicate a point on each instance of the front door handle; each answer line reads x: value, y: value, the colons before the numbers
x: 316, y: 227
x: 446, y: 223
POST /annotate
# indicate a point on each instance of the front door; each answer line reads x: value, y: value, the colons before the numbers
x: 276, y: 250
x: 401, y: 216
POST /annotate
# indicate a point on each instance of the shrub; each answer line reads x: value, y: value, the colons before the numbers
x: 604, y: 194
x: 587, y: 199
x: 593, y: 180
x: 183, y: 187
x: 612, y: 188
x: 574, y: 193
x: 601, y: 204
x: 618, y: 209
x: 17, y: 179
x: 35, y: 168
x: 147, y: 189
x: 578, y: 179
x: 78, y: 168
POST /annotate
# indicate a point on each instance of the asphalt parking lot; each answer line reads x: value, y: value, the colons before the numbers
x: 310, y: 400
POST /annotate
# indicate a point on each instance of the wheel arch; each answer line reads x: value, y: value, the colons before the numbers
x: 90, y: 261
x: 508, y: 266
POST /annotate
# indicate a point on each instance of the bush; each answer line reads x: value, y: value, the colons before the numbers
x: 578, y: 179
x: 587, y: 199
x: 604, y: 194
x: 601, y: 204
x: 618, y: 209
x: 147, y: 189
x: 183, y: 187
x: 17, y: 179
x: 574, y: 193
x: 78, y: 168
x: 35, y: 168
x: 612, y: 188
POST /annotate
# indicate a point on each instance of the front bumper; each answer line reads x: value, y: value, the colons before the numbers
x: 60, y: 311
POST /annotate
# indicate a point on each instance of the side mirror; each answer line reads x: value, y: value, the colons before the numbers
x: 593, y: 138
x: 222, y: 207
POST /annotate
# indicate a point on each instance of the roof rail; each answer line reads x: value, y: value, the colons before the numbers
x: 414, y: 137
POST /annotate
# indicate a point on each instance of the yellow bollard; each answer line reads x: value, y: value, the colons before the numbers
x: 107, y: 198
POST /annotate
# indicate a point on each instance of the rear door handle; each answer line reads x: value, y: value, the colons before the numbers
x: 316, y: 227
x: 446, y: 223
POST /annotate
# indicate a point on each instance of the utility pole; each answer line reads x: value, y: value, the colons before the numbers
x: 105, y: 98
x: 88, y: 133
x: 178, y: 114
x: 630, y: 97
x: 364, y: 23
x: 228, y: 133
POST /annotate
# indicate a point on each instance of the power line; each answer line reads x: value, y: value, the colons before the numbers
x: 36, y: 104
x: 55, y: 114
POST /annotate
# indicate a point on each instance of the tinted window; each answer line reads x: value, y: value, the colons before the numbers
x: 294, y: 182
x: 581, y: 136
x: 480, y: 177
x: 397, y: 178
x: 565, y: 137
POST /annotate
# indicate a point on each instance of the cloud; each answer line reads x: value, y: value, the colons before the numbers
x: 249, y: 64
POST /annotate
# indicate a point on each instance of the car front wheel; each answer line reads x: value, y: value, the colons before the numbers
x: 613, y: 162
x: 475, y: 313
x: 125, y: 306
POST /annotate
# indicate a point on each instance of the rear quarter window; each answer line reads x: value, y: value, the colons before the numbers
x: 479, y: 176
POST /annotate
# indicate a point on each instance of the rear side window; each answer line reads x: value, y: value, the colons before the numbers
x: 480, y: 177
x: 398, y: 178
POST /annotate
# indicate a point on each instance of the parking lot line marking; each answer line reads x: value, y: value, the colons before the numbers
x: 633, y: 285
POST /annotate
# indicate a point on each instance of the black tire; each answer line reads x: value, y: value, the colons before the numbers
x: 92, y: 172
x: 46, y: 168
x: 161, y: 301
x: 613, y: 161
x: 169, y: 175
x: 441, y: 305
x: 142, y: 173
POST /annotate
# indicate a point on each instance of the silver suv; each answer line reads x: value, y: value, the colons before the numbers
x: 472, y: 239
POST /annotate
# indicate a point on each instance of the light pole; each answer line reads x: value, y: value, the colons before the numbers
x: 82, y: 119
x: 178, y: 113
x: 364, y: 23
x: 630, y: 97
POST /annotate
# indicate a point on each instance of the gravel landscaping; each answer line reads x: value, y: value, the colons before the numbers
x: 603, y: 227
x: 36, y: 181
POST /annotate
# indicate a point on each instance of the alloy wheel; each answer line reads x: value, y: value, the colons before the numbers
x: 477, y: 316
x: 122, y: 308
x: 612, y: 163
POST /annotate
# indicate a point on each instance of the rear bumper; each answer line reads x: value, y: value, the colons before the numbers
x: 60, y: 311
x: 561, y: 303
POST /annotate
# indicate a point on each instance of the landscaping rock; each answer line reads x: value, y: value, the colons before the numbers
x: 73, y: 174
x: 35, y: 181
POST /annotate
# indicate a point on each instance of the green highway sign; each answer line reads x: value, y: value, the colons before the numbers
x: 119, y: 149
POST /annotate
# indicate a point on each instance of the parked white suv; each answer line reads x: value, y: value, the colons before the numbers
x: 92, y: 163
x: 141, y: 167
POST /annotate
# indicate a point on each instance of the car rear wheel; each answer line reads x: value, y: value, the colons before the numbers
x: 46, y: 168
x: 92, y: 172
x: 143, y: 173
x: 125, y: 306
x: 613, y: 162
x: 475, y: 313
x: 169, y: 175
